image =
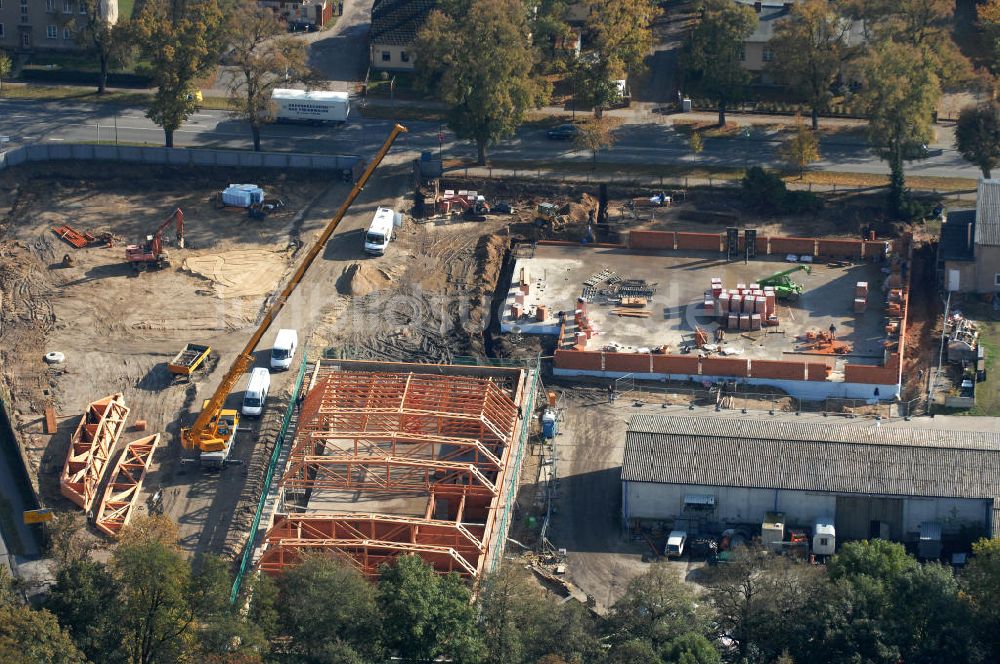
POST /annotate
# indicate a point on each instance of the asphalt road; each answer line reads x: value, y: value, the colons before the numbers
x: 652, y: 142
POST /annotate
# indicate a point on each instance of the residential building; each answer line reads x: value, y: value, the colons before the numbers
x: 45, y: 25
x: 872, y: 480
x: 394, y: 28
x: 302, y: 12
x: 969, y: 247
x: 758, y: 52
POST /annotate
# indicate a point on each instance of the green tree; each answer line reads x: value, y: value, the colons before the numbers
x: 716, y: 48
x: 265, y: 58
x: 5, y: 67
x: 633, y: 650
x: 696, y: 143
x: 595, y: 83
x: 691, y: 649
x: 981, y: 585
x: 84, y: 599
x: 325, y: 607
x: 430, y: 615
x: 622, y: 30
x: 801, y: 148
x: 595, y: 135
x: 900, y: 94
x: 876, y: 559
x: 759, y: 599
x: 520, y: 624
x: 548, y: 27
x: 656, y: 608
x: 481, y: 63
x: 183, y: 40
x: 810, y: 49
x: 111, y: 41
x: 34, y: 637
x: 977, y: 136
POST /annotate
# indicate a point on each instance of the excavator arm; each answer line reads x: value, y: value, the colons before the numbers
x: 785, y: 273
x: 203, y: 434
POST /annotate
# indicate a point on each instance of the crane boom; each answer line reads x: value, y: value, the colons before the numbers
x: 201, y: 434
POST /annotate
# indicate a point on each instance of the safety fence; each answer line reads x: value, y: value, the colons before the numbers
x: 248, y: 548
x: 180, y: 157
x: 514, y: 470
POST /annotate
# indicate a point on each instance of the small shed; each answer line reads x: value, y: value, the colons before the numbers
x: 824, y: 537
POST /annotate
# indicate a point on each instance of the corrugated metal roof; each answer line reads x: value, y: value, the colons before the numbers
x: 988, y: 213
x: 790, y: 455
x: 396, y: 22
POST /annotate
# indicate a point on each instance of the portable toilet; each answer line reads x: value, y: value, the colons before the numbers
x: 824, y: 541
x: 772, y: 531
x: 929, y: 546
x: 549, y: 424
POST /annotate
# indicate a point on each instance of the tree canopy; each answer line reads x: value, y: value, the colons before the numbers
x: 716, y: 49
x: 977, y: 136
x: 480, y: 61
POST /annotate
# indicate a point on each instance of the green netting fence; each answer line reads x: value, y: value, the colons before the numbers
x: 248, y: 548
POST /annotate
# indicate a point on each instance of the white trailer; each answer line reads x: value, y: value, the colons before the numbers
x: 310, y: 105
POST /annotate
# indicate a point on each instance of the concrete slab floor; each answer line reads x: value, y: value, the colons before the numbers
x: 557, y: 275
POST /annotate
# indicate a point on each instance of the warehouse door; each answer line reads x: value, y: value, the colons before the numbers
x: 862, y: 517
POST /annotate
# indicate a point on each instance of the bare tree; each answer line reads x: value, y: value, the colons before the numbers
x: 265, y: 58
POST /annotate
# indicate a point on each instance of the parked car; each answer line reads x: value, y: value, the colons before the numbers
x: 564, y: 132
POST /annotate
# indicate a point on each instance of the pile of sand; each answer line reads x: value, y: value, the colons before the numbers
x: 359, y: 280
x: 239, y: 273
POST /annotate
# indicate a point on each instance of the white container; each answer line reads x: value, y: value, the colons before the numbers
x: 242, y: 195
x: 675, y: 543
x: 824, y: 542
x: 311, y: 105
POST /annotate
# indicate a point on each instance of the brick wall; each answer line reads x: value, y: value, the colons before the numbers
x: 840, y: 248
x: 777, y: 369
x: 725, y: 366
x: 700, y: 241
x: 675, y: 364
x: 816, y: 371
x: 650, y: 240
x: 582, y: 360
x: 870, y: 374
x: 627, y: 362
x: 792, y: 245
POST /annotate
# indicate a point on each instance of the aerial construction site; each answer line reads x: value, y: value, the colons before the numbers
x: 278, y: 374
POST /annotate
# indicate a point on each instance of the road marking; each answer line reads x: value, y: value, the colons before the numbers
x: 56, y: 139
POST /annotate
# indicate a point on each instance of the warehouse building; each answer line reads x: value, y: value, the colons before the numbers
x: 715, y: 473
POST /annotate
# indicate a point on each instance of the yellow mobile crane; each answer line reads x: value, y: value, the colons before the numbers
x: 213, y: 432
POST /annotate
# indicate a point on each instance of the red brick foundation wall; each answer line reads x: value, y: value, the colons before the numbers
x: 700, y: 241
x: 650, y: 240
x: 777, y: 369
x: 724, y: 366
x: 675, y: 364
x: 627, y: 362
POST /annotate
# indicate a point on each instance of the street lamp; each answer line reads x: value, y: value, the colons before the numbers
x: 746, y: 155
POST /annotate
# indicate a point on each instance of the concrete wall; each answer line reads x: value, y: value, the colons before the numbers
x: 395, y: 53
x: 643, y: 500
x: 178, y: 157
x: 829, y: 248
x: 987, y: 269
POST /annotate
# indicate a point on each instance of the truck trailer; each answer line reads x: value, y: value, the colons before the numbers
x: 310, y: 105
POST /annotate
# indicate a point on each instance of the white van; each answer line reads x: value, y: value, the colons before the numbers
x: 283, y: 349
x: 256, y: 392
x: 379, y: 232
x: 675, y: 543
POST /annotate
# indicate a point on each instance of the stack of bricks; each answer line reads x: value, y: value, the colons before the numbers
x: 581, y: 320
x: 520, y: 307
x: 742, y: 308
x: 861, y: 297
x: 896, y: 303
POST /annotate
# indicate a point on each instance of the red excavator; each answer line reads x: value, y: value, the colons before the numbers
x: 150, y: 253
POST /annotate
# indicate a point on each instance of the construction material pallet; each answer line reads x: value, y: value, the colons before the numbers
x: 78, y: 239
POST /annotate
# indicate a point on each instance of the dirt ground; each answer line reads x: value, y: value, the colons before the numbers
x: 118, y: 329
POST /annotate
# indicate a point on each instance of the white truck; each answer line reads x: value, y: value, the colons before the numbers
x: 310, y: 105
x: 256, y: 393
x: 380, y: 231
x: 283, y: 349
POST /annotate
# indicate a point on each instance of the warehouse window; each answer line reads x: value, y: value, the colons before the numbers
x: 52, y: 32
x: 67, y: 6
x: 83, y: 7
x: 996, y: 279
x: 26, y: 39
x: 1, y: 29
x: 386, y: 56
x: 50, y: 5
x: 699, y: 503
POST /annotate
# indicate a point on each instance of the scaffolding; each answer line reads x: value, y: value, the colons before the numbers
x: 90, y: 449
x: 436, y: 439
x: 123, y: 488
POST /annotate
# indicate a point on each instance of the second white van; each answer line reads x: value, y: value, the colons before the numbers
x: 256, y: 392
x: 379, y: 232
x: 283, y: 349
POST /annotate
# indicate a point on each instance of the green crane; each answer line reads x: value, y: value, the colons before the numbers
x: 781, y: 282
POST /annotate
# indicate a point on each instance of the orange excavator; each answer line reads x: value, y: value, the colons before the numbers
x: 213, y: 432
x: 150, y: 253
